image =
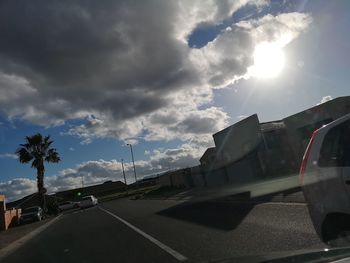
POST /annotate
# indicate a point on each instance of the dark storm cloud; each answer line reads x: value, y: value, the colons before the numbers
x: 125, y: 68
x: 110, y: 56
x: 198, y: 126
x: 126, y: 65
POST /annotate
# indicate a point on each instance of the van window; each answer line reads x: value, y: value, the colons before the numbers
x: 335, y: 150
x: 345, y: 145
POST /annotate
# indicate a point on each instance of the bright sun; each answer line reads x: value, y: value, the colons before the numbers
x: 269, y: 60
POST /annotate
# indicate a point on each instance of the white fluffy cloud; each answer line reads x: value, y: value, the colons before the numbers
x: 218, y: 64
x: 8, y: 155
x: 17, y: 188
x: 229, y: 57
x: 241, y: 117
x: 325, y: 99
x: 125, y: 67
x: 95, y: 172
x: 94, y: 61
x: 192, y: 13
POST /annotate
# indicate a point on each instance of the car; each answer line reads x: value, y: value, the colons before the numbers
x: 30, y: 214
x: 325, y: 181
x: 88, y: 201
x: 68, y: 205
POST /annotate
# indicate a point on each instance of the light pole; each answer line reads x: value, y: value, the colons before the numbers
x: 133, y: 162
x: 123, y: 172
x: 82, y: 182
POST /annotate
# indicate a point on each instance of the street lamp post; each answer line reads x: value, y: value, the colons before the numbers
x: 123, y: 172
x: 133, y: 162
x: 82, y: 182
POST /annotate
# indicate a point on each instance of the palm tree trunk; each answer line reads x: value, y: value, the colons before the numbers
x: 40, y: 184
x: 40, y: 180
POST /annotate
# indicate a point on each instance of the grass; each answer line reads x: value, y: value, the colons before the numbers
x: 136, y: 193
x: 155, y: 191
x: 163, y: 192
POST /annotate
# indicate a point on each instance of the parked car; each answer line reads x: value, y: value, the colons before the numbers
x: 325, y: 181
x: 68, y: 205
x: 34, y: 213
x: 88, y: 201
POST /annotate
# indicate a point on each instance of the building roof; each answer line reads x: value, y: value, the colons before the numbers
x: 336, y: 101
x: 207, y: 154
x: 237, y: 124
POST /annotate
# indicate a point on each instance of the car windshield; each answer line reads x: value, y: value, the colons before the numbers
x: 174, y: 130
x: 31, y: 210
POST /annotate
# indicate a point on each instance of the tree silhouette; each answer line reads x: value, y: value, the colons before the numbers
x: 36, y: 149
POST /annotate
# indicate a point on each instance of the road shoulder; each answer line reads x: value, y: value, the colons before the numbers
x: 21, y: 238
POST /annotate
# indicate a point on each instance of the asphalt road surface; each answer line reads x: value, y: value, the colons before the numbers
x: 170, y: 231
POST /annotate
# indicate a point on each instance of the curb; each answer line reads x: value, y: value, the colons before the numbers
x: 19, y: 242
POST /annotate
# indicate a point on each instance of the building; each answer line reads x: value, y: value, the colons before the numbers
x: 236, y: 152
x: 177, y: 178
x: 249, y: 150
x: 8, y: 217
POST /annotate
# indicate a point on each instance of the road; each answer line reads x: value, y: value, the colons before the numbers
x: 170, y: 231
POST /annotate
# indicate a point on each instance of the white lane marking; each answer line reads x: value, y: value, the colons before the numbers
x: 283, y: 203
x: 19, y: 242
x: 342, y: 260
x: 171, y: 251
x: 260, y: 203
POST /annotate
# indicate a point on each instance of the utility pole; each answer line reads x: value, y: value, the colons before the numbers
x: 133, y: 162
x: 123, y: 172
x: 82, y: 182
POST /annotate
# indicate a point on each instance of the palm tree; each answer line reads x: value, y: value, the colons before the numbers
x: 37, y: 149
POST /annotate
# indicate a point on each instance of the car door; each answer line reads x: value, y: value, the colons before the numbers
x: 344, y: 153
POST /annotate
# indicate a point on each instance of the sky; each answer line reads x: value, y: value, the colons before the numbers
x: 160, y: 75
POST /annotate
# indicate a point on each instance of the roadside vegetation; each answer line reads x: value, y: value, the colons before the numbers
x: 135, y: 193
x: 164, y: 192
x: 150, y: 192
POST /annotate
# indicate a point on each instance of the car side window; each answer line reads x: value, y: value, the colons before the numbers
x: 345, y: 144
x: 329, y: 150
x: 335, y: 150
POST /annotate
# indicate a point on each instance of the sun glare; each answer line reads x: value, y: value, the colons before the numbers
x: 269, y: 60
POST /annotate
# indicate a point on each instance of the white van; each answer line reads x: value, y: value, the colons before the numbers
x: 325, y: 181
